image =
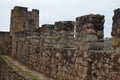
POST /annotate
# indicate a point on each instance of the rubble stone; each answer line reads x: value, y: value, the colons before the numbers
x: 66, y: 50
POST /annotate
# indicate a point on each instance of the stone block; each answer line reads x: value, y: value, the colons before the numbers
x: 64, y: 26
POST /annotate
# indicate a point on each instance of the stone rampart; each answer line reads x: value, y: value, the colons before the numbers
x: 66, y: 50
x: 59, y: 52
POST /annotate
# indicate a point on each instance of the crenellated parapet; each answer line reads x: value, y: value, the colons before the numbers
x: 58, y: 50
x: 115, y: 69
x: 22, y: 19
x: 116, y: 29
x: 89, y: 43
x: 66, y: 50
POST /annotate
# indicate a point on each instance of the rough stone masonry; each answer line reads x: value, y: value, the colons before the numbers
x: 60, y: 51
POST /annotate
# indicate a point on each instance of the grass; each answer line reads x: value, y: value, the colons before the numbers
x: 34, y: 78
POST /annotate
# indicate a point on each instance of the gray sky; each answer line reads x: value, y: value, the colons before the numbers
x: 60, y: 10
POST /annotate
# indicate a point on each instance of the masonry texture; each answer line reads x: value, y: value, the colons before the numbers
x: 63, y: 52
x: 5, y: 43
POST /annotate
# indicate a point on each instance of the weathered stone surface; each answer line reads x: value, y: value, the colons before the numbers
x: 5, y: 43
x: 63, y: 52
x: 22, y: 19
x: 115, y: 67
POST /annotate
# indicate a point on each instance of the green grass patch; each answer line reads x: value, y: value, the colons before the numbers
x: 34, y: 78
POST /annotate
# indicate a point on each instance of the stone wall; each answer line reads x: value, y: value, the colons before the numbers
x: 94, y: 62
x: 63, y: 53
x: 22, y: 19
x: 115, y: 69
x: 5, y: 43
x: 59, y: 52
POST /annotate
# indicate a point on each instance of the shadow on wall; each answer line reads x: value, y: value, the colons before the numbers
x: 5, y: 43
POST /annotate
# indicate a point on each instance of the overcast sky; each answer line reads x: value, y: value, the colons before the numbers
x: 60, y: 10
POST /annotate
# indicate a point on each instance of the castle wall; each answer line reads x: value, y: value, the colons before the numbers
x: 115, y: 69
x: 5, y: 43
x: 59, y: 52
x: 22, y: 19
x: 63, y: 53
x: 93, y: 62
